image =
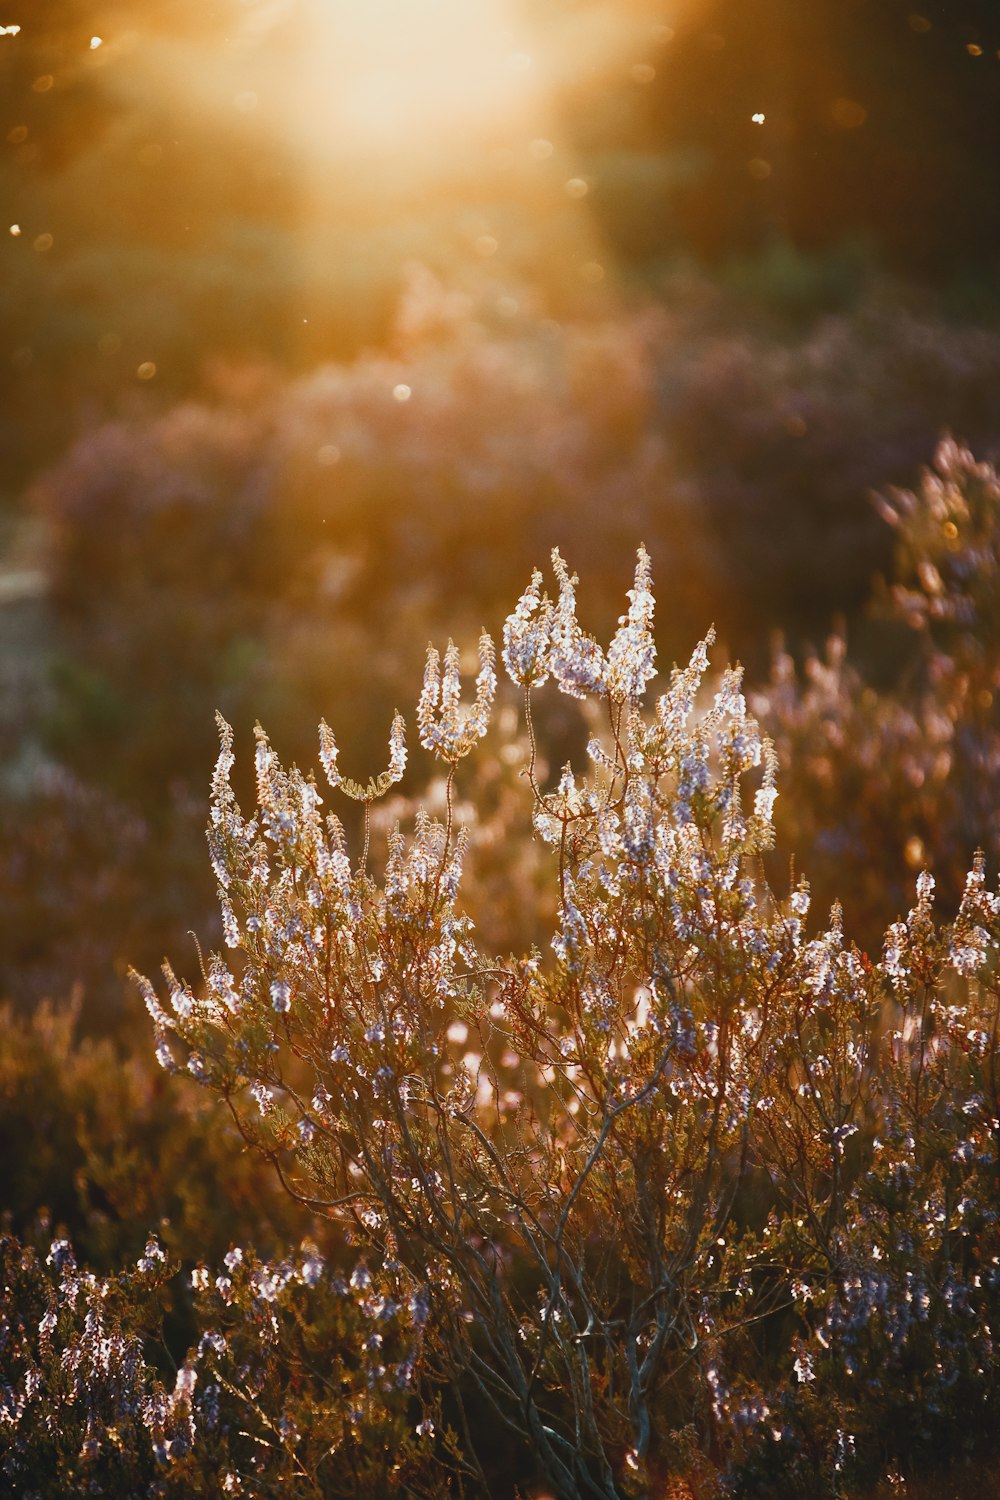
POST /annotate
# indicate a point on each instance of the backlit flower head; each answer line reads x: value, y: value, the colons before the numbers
x: 632, y: 653
x: 527, y: 634
x: 447, y: 727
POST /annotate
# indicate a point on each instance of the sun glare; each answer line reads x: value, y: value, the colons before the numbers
x: 395, y: 75
x: 406, y: 129
x: 408, y: 78
x: 387, y: 76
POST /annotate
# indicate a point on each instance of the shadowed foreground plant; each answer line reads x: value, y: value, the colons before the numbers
x: 300, y: 1383
x: 693, y: 1197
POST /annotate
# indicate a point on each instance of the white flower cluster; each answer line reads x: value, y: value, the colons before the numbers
x: 448, y: 727
x: 543, y: 639
x: 377, y: 785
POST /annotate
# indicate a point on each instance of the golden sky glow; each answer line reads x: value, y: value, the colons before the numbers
x: 397, y: 75
x: 405, y: 78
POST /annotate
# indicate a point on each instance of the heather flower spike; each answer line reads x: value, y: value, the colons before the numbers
x: 376, y: 786
x: 226, y: 822
x: 265, y: 763
x: 576, y: 660
x: 397, y: 748
x: 541, y: 638
x: 221, y: 790
x: 527, y: 633
x: 632, y: 653
x: 328, y: 753
x: 446, y: 726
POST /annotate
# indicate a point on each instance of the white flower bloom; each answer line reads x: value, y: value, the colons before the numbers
x: 575, y: 659
x: 312, y: 1268
x: 763, y: 802
x: 328, y: 753
x: 446, y: 726
x: 262, y: 1095
x: 397, y: 748
x: 152, y: 1257
x: 526, y: 636
x: 632, y: 653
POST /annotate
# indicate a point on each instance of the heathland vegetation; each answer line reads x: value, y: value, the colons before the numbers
x: 595, y: 1091
x: 593, y: 1139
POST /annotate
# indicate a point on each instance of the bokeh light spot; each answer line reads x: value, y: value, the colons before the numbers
x: 914, y: 852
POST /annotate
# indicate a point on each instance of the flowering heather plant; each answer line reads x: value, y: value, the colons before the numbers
x: 687, y: 1186
x: 203, y: 555
x: 302, y: 1381
x: 76, y: 1387
x: 880, y: 782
